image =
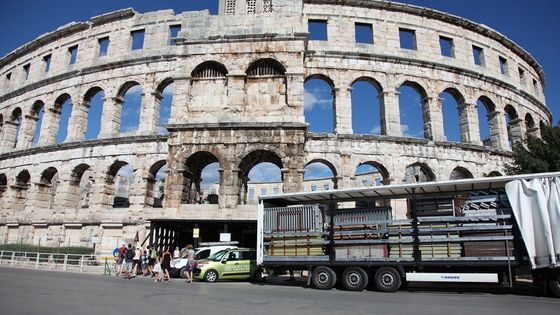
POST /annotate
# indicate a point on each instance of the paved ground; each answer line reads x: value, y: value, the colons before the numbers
x: 24, y: 291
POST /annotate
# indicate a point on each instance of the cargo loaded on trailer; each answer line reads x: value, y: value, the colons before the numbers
x: 484, y: 230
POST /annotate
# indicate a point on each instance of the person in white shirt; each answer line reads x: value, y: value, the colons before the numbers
x: 176, y: 253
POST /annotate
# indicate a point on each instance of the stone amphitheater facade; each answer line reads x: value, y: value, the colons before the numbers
x: 238, y: 100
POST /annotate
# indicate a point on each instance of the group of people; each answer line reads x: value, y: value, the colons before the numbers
x: 151, y: 262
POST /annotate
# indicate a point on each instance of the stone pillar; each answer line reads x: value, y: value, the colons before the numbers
x: 469, y: 124
x: 67, y: 195
x: 292, y: 179
x: 27, y: 131
x: 433, y: 118
x: 517, y: 130
x: 295, y: 90
x: 174, y: 180
x: 229, y: 188
x: 180, y: 100
x: 390, y: 113
x: 9, y: 135
x: 236, y: 91
x: 498, y: 130
x: 136, y: 190
x: 149, y: 115
x: 342, y: 110
x: 111, y: 117
x: 49, y: 127
x: 78, y: 122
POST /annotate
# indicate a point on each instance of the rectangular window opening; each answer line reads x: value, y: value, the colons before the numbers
x: 364, y: 33
x: 251, y: 5
x: 535, y: 85
x: 27, y: 69
x: 9, y: 76
x: 317, y: 30
x: 503, y: 65
x: 103, y: 46
x: 173, y: 32
x: 47, y: 61
x: 230, y: 6
x: 407, y: 38
x: 521, y: 75
x: 478, y: 54
x: 73, y: 51
x: 313, y: 187
x: 137, y: 39
x: 447, y: 47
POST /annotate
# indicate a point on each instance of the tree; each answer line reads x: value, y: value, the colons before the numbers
x: 536, y: 155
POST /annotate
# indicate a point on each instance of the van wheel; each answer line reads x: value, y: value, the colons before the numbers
x: 323, y: 278
x: 211, y: 276
x: 554, y: 284
x: 354, y: 279
x: 387, y: 279
x: 258, y: 276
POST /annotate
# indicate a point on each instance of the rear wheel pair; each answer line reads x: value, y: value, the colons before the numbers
x: 386, y: 279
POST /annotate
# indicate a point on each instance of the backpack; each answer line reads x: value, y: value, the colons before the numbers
x: 129, y: 254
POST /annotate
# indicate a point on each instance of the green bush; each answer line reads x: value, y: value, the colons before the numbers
x: 75, y: 250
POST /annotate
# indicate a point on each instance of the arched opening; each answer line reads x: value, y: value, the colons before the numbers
x: 411, y: 110
x: 1, y: 129
x: 46, y: 188
x: 530, y: 125
x: 3, y: 187
x: 366, y: 107
x: 165, y: 90
x: 37, y: 113
x: 63, y: 111
x: 266, y: 85
x: 318, y: 104
x: 156, y: 184
x: 20, y: 189
x: 260, y: 174
x: 494, y: 174
x: 120, y: 178
x: 370, y: 174
x: 81, y: 183
x: 319, y: 175
x: 210, y: 183
x: 487, y: 120
x: 418, y: 173
x: 94, y: 100
x: 16, y: 120
x: 542, y: 126
x: 512, y: 124
x: 460, y: 173
x: 451, y: 108
x: 131, y: 94
x: 201, y: 168
x: 209, y: 76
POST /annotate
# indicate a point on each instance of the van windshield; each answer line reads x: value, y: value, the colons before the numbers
x: 219, y: 255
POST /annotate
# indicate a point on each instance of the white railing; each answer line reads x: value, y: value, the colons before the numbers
x: 58, y: 261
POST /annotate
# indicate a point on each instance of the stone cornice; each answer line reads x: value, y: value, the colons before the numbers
x: 83, y: 144
x: 236, y: 125
x: 444, y: 17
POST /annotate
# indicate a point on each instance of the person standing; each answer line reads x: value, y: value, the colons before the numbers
x: 166, y: 264
x: 120, y: 259
x: 128, y: 261
x: 157, y: 268
x: 137, y: 261
x: 176, y: 253
x: 190, y: 263
x: 152, y: 260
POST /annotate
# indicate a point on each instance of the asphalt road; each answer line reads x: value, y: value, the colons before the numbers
x: 24, y: 291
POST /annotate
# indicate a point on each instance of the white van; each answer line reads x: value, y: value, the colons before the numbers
x: 178, y: 266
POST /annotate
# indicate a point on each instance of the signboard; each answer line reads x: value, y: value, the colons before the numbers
x: 195, y: 232
x: 225, y: 237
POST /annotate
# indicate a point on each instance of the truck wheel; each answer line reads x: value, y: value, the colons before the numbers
x: 211, y: 276
x: 183, y: 273
x: 354, y: 279
x: 258, y: 276
x: 387, y: 279
x: 554, y: 284
x: 323, y: 278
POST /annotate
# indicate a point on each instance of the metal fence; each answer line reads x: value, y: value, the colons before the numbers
x: 55, y: 261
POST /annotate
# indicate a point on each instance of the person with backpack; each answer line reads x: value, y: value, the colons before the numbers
x: 128, y: 261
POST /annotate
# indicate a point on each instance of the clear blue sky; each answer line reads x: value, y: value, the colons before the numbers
x: 532, y: 24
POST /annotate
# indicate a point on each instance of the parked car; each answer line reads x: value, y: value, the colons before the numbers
x: 229, y: 264
x: 178, y: 266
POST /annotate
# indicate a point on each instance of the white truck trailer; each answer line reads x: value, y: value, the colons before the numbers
x: 484, y: 230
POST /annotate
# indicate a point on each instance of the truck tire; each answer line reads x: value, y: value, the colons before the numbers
x: 183, y: 273
x: 387, y: 279
x: 211, y: 276
x: 554, y: 283
x: 258, y: 276
x: 323, y: 278
x: 354, y: 279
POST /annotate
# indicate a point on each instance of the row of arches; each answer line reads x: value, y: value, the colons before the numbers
x: 121, y: 184
x: 419, y: 114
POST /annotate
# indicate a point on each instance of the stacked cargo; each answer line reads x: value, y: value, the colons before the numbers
x: 294, y: 231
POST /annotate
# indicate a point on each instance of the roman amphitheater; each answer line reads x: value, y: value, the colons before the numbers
x: 238, y: 83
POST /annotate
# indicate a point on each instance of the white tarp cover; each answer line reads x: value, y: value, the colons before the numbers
x: 536, y: 206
